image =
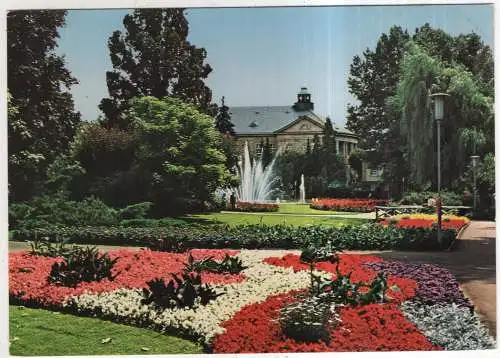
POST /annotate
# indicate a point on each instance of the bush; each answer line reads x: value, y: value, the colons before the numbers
x: 361, y: 237
x: 82, y: 265
x: 135, y: 211
x: 420, y: 198
x: 230, y: 265
x: 179, y: 292
x: 308, y: 320
x: 51, y: 210
x: 165, y: 222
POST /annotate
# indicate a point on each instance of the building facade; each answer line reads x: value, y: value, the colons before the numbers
x: 288, y: 128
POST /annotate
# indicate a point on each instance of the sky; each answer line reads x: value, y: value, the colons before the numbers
x: 262, y: 56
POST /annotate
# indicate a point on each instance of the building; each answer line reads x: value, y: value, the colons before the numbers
x: 287, y: 128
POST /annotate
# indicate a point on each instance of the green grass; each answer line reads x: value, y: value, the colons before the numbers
x: 293, y: 208
x: 37, y: 332
x: 273, y: 219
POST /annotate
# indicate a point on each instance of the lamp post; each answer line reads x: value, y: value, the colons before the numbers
x: 474, y: 165
x: 439, y: 115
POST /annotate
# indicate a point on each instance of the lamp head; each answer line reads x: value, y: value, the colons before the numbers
x: 439, y: 105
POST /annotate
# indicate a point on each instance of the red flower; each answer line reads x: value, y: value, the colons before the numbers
x: 347, y: 204
x: 28, y: 274
x: 376, y: 327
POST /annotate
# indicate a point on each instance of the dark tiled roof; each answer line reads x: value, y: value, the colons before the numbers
x: 264, y: 120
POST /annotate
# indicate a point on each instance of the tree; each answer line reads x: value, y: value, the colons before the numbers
x: 181, y: 150
x: 223, y: 120
x: 42, y: 117
x: 154, y: 58
x: 267, y: 154
x: 467, y: 110
x: 316, y: 163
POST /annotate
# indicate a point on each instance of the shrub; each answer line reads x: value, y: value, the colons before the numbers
x: 179, y: 292
x: 420, y: 198
x: 82, y: 265
x: 50, y: 210
x: 308, y: 320
x: 165, y: 222
x: 135, y: 211
x: 370, y: 236
x: 231, y: 265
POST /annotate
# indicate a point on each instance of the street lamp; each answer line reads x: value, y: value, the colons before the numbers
x: 439, y: 115
x: 474, y: 165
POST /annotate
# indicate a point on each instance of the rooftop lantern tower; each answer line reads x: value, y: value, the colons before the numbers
x: 303, y: 101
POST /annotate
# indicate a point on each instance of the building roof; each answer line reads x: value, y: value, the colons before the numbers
x: 266, y: 120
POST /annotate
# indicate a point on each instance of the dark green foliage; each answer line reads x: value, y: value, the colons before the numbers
x: 165, y: 222
x: 179, y: 292
x: 136, y: 211
x: 308, y: 320
x: 41, y: 116
x: 360, y: 237
x: 267, y: 154
x: 153, y: 57
x: 179, y: 152
x: 48, y: 249
x: 420, y: 198
x: 46, y: 211
x: 82, y: 265
x: 231, y: 265
x: 223, y: 120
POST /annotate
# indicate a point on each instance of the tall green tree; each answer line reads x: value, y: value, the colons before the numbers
x: 180, y: 149
x: 223, y: 120
x: 466, y: 128
x: 42, y: 118
x: 267, y: 154
x: 153, y: 57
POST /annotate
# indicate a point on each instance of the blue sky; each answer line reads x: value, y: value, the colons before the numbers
x: 262, y: 56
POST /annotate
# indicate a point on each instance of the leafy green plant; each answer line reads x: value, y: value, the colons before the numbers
x: 231, y: 265
x: 309, y: 320
x: 342, y: 291
x: 48, y: 249
x: 178, y: 292
x: 82, y: 265
x: 136, y: 211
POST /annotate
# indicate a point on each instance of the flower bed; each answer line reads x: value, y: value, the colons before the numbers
x: 448, y: 222
x: 249, y: 206
x: 243, y: 318
x: 360, y: 205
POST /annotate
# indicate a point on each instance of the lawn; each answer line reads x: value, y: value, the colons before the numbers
x: 234, y: 219
x: 37, y: 332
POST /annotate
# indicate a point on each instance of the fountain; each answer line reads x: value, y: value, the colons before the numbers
x: 302, y: 190
x: 256, y: 182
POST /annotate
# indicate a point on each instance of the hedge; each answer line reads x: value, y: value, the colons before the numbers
x: 360, y: 237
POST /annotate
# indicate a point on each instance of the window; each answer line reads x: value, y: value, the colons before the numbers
x: 373, y: 172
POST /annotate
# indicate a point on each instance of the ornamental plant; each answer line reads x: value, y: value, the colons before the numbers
x: 230, y: 265
x: 179, y: 292
x: 309, y: 320
x: 82, y: 265
x: 47, y: 249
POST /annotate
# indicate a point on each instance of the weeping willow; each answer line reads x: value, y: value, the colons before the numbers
x: 468, y: 125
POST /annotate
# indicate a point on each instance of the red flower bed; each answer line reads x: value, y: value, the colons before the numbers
x: 363, y: 205
x: 353, y: 263
x: 426, y: 223
x: 28, y: 274
x: 374, y: 327
x: 256, y: 207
